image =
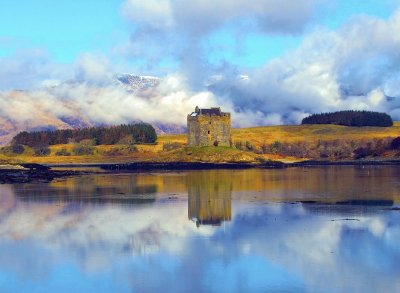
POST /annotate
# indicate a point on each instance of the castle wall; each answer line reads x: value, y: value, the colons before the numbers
x: 209, y: 199
x: 204, y: 130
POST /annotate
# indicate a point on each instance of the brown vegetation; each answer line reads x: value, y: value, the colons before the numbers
x: 339, y: 149
x: 285, y: 143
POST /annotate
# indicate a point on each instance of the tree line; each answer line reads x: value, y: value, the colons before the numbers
x: 351, y: 118
x: 137, y: 133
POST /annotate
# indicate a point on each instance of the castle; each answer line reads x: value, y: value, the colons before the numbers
x: 208, y: 127
x: 210, y: 197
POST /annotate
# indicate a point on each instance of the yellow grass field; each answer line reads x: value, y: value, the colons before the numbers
x: 293, y: 133
x: 257, y: 136
x: 269, y: 134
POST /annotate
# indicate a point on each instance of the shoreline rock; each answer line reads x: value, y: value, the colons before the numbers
x: 12, y: 176
x: 26, y: 173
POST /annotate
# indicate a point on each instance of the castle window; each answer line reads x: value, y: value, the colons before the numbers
x: 210, y: 122
x: 209, y: 132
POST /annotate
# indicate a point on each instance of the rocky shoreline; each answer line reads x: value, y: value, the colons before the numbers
x: 311, y: 163
x: 166, y: 166
x: 26, y: 173
x: 170, y: 166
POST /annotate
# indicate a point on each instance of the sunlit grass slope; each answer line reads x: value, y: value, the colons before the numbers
x: 294, y: 133
x: 256, y: 136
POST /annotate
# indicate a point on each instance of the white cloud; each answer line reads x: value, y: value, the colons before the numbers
x: 355, y: 67
x: 204, y: 16
x: 93, y: 69
x: 28, y: 69
x: 154, y: 13
x: 106, y: 103
x: 173, y: 32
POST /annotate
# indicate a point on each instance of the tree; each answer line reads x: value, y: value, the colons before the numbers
x: 351, y: 118
x: 17, y: 148
x: 396, y: 143
x: 138, y: 133
x: 42, y: 151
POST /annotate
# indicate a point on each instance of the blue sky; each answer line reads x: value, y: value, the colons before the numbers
x: 65, y: 29
x: 268, y: 61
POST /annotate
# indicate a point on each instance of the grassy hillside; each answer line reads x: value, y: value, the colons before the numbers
x: 295, y: 133
x: 173, y: 147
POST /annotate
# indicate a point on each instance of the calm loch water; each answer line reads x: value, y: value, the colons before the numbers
x: 325, y: 229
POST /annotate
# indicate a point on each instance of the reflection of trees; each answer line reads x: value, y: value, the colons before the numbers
x: 209, y: 196
x: 347, y: 208
x: 91, y: 189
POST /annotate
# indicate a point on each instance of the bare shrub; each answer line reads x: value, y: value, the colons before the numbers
x: 127, y: 140
x: 63, y: 152
x: 82, y: 150
x: 120, y: 150
x: 249, y: 145
x: 169, y: 146
x: 239, y: 145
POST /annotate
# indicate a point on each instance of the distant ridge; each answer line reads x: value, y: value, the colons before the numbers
x: 351, y: 118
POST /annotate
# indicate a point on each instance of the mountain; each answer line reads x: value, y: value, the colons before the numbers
x: 136, y: 82
x: 18, y: 114
x: 169, y: 128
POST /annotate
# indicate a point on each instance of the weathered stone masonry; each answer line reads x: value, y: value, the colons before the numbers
x: 208, y: 127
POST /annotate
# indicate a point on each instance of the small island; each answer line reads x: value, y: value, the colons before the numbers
x: 209, y: 144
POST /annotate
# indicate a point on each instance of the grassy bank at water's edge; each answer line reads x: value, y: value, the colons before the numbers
x: 248, y: 145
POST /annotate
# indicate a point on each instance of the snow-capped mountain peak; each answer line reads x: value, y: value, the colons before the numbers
x: 137, y: 82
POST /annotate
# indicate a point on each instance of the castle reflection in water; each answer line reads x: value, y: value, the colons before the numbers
x: 210, y: 197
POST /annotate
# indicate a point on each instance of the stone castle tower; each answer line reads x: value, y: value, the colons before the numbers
x: 210, y: 197
x: 208, y: 127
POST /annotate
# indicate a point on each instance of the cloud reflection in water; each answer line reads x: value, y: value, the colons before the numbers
x: 261, y: 244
